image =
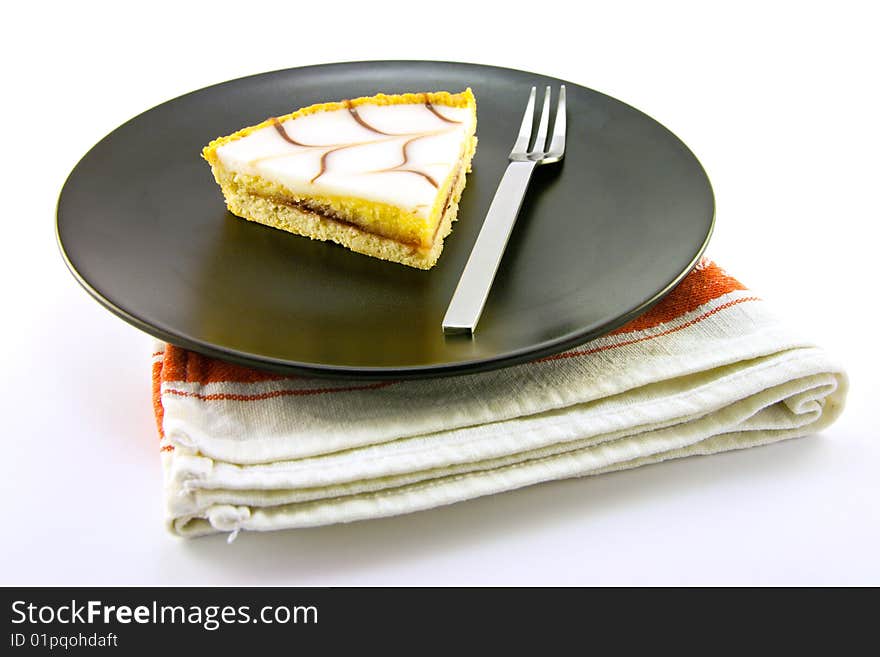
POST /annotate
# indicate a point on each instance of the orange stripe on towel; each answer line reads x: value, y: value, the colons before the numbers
x: 158, y: 409
x: 674, y: 329
x: 708, y: 281
x: 230, y: 396
x: 184, y: 365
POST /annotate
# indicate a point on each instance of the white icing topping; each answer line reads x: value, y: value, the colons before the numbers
x: 357, y: 160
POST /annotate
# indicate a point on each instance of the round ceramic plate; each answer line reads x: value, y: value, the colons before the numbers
x: 600, y: 238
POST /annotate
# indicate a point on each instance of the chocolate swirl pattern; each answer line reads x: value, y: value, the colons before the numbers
x: 286, y: 137
x: 399, y: 154
x: 402, y: 167
x: 357, y: 117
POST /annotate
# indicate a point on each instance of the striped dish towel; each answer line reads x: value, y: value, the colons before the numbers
x: 706, y: 370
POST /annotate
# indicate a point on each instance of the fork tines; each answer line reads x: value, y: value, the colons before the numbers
x: 540, y: 152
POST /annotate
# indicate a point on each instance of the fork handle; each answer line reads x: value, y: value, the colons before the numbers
x: 473, y: 287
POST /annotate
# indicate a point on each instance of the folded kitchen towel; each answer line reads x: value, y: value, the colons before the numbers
x: 706, y: 370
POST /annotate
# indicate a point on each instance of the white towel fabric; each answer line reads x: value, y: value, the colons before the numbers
x: 707, y: 370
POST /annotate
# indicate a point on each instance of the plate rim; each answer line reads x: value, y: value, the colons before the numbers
x: 283, y: 366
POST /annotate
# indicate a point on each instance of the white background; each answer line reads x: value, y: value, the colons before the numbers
x: 778, y: 101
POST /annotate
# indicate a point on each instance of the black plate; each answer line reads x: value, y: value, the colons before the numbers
x: 599, y: 239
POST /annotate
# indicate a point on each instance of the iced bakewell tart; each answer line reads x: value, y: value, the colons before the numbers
x: 381, y: 175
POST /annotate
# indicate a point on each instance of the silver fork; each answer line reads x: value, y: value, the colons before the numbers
x: 473, y: 287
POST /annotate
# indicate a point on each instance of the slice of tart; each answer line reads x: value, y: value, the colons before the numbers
x: 381, y: 175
